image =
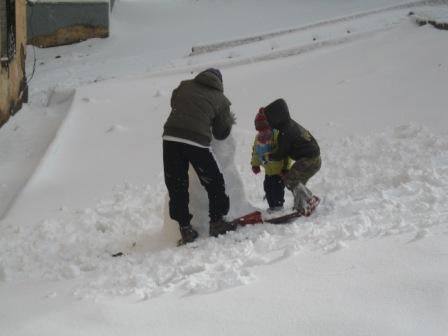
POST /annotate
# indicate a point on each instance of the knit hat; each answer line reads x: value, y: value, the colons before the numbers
x: 261, y: 122
x: 216, y: 72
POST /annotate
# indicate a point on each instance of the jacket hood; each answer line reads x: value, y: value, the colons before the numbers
x: 277, y: 113
x: 210, y: 79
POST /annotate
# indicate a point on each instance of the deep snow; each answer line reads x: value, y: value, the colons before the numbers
x: 371, y: 261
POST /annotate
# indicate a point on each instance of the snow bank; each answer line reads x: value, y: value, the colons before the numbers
x: 33, y: 131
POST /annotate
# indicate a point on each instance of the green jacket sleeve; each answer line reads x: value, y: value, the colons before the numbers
x: 173, y: 96
x: 223, y: 122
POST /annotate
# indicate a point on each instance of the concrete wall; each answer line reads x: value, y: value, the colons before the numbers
x: 53, y: 23
x: 13, y: 87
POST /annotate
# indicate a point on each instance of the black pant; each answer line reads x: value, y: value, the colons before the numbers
x: 176, y: 159
x: 274, y: 189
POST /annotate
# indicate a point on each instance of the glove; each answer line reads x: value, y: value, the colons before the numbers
x: 284, y: 172
x: 233, y: 118
x: 266, y: 157
x: 256, y: 169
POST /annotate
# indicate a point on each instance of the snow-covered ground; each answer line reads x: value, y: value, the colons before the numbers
x: 81, y: 176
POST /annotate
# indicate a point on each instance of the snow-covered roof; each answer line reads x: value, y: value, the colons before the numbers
x: 437, y: 14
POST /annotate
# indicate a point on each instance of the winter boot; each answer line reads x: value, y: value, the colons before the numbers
x: 188, y: 234
x: 301, y: 197
x: 221, y: 226
x: 312, y: 204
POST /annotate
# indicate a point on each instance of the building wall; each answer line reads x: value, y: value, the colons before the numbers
x: 13, y: 87
x: 54, y: 23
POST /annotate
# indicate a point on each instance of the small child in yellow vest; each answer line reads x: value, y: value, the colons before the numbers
x: 266, y: 142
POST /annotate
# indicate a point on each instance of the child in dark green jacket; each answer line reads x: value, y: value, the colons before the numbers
x: 265, y: 142
x: 297, y: 143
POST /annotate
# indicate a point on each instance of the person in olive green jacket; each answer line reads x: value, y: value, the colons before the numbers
x: 266, y: 141
x: 199, y: 111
